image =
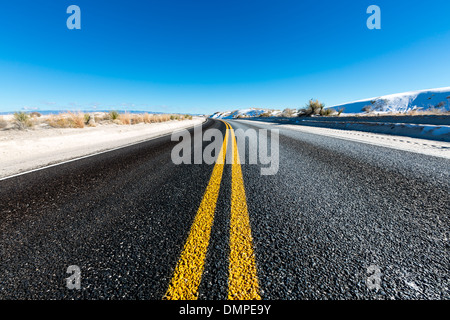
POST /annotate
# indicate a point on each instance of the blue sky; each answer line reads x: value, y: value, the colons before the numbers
x: 204, y: 56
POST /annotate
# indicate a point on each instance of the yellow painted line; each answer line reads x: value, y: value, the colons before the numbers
x: 188, y: 272
x: 242, y: 279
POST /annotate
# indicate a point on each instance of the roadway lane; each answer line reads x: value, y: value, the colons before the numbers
x: 121, y: 216
x: 334, y: 208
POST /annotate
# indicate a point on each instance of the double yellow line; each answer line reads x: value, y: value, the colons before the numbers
x: 242, y: 279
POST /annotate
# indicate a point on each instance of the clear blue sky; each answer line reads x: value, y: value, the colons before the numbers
x: 202, y: 56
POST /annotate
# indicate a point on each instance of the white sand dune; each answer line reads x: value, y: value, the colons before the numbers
x: 402, y: 102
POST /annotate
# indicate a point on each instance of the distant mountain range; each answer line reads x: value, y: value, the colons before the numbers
x: 46, y: 112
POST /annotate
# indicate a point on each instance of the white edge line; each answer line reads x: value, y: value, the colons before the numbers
x: 97, y: 153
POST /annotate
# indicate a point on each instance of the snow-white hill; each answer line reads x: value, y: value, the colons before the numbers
x: 402, y: 102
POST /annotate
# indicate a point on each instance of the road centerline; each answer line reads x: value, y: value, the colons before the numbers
x: 243, y: 279
x: 188, y: 272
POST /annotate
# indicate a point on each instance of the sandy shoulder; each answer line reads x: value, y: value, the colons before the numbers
x: 22, y: 151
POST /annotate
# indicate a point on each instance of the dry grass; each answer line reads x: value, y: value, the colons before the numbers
x: 80, y: 120
x: 124, y: 118
x: 67, y: 120
x: 147, y: 118
x: 137, y: 118
x: 58, y: 121
x: 3, y: 123
x: 103, y: 117
x: 163, y: 118
x: 76, y: 120
x: 180, y: 117
x: 151, y: 118
x: 428, y: 112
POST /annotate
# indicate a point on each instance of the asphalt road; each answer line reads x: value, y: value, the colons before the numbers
x: 337, y: 221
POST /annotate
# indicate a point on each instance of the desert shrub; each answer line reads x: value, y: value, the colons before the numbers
x: 90, y: 119
x: 339, y: 111
x: 313, y: 107
x: 35, y: 114
x: 113, y: 115
x: 188, y: 116
x: 22, y: 120
x: 440, y: 105
x: 87, y: 118
x: 328, y: 112
x: 176, y: 117
x: 367, y: 109
x: 265, y: 115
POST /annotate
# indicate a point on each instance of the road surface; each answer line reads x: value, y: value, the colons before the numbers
x: 339, y: 220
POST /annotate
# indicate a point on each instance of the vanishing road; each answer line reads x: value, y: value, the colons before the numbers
x: 339, y: 220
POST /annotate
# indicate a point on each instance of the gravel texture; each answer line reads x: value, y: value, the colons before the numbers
x: 334, y: 208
